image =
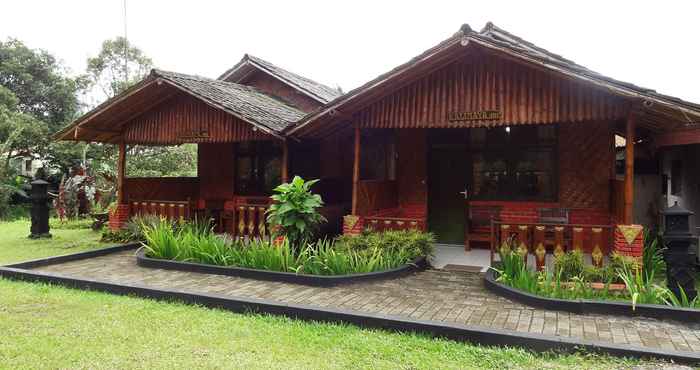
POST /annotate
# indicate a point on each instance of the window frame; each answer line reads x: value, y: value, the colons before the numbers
x: 509, y: 152
x: 260, y: 153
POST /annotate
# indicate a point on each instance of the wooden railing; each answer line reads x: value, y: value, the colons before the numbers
x: 378, y: 223
x: 246, y: 220
x: 173, y: 210
x: 542, y: 239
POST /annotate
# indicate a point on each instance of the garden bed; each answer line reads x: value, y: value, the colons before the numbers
x: 142, y: 260
x: 586, y: 306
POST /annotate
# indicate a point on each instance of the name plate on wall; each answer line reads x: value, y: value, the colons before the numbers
x: 193, y: 135
x: 487, y: 115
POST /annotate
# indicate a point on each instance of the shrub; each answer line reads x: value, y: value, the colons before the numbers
x: 197, y: 243
x: 414, y: 241
x: 133, y: 230
x: 599, y: 274
x: 295, y: 211
x: 569, y: 265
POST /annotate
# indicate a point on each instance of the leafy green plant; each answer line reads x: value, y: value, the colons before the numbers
x: 672, y: 300
x: 294, y: 214
x: 653, y: 263
x: 569, y: 265
x: 638, y: 287
x: 196, y: 242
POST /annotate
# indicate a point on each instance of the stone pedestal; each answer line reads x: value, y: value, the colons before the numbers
x: 40, y: 210
x: 681, y: 253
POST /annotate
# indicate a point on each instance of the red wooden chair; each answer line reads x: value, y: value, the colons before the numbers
x: 479, y: 224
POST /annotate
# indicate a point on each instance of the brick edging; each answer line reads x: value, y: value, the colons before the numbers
x: 586, y: 306
x: 458, y: 332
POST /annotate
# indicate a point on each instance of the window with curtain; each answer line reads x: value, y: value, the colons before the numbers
x: 514, y: 163
x: 258, y: 167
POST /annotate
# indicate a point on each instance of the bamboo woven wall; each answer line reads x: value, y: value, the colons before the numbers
x: 184, y: 119
x: 522, y: 94
x: 586, y: 159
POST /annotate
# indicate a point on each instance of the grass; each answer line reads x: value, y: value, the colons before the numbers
x: 55, y: 327
x: 46, y: 326
x: 15, y: 246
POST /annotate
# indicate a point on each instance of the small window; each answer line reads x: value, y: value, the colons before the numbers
x: 28, y: 165
x: 676, y: 177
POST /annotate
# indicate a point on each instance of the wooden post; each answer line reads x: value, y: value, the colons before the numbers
x: 629, y: 171
x: 356, y: 171
x: 285, y: 162
x: 121, y: 171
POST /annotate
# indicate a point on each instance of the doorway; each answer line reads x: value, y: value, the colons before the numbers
x: 448, y: 176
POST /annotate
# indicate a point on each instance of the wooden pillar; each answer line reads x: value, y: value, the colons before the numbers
x: 285, y: 162
x: 629, y: 170
x: 356, y: 171
x: 121, y: 171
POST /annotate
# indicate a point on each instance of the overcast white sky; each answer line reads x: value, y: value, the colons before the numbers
x: 652, y: 44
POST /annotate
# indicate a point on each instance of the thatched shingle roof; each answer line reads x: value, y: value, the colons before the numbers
x: 317, y: 91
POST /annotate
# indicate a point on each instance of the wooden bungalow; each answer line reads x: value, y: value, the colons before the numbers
x: 482, y: 133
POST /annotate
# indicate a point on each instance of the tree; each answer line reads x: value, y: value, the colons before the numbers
x: 38, y: 99
x: 15, y: 128
x: 106, y: 72
x: 39, y: 83
x: 106, y: 75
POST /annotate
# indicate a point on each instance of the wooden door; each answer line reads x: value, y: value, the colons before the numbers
x: 448, y: 170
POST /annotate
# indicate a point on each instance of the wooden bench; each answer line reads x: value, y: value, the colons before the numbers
x: 479, y: 224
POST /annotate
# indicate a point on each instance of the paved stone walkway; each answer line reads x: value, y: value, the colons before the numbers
x: 455, y: 297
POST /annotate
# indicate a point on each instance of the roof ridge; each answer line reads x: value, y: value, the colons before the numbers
x: 316, y: 90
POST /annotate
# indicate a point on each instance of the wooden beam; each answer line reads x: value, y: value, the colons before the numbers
x: 285, y: 162
x: 629, y: 170
x: 356, y: 170
x: 121, y: 171
x: 678, y: 137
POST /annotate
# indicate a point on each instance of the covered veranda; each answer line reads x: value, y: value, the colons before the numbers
x: 241, y: 156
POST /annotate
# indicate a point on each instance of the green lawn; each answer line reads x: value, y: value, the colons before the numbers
x: 15, y: 246
x: 43, y: 326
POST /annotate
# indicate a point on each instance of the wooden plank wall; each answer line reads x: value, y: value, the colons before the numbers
x: 160, y: 188
x: 178, y: 119
x: 215, y: 168
x: 522, y: 94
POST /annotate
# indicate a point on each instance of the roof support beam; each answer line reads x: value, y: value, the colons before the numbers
x: 356, y: 171
x: 121, y: 172
x: 628, y: 217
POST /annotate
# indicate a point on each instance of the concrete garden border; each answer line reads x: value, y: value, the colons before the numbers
x: 585, y: 306
x: 457, y: 332
x: 418, y: 264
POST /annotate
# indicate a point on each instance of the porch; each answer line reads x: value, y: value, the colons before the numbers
x: 476, y: 187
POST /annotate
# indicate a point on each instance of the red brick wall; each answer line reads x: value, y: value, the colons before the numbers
x: 119, y: 217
